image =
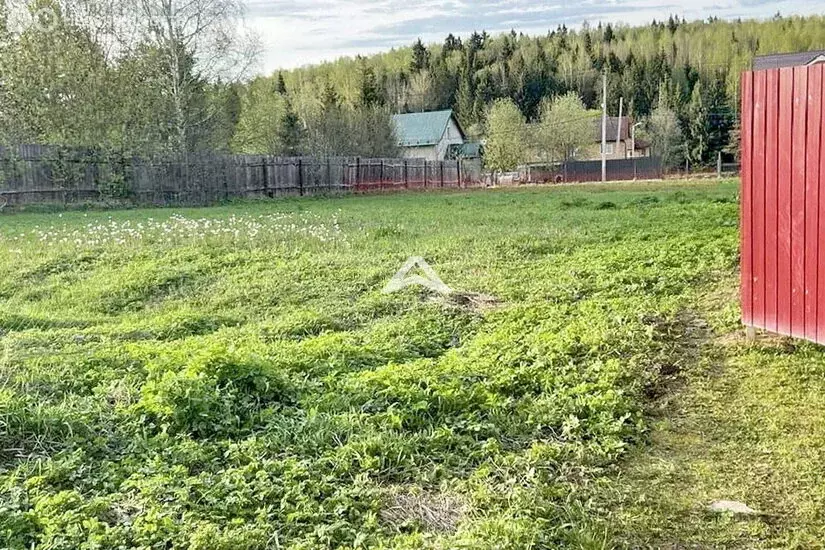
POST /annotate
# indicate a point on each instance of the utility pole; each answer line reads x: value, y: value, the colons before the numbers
x: 619, y: 125
x: 604, y: 127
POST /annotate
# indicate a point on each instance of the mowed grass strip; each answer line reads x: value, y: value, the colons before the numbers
x: 746, y: 424
x: 233, y: 377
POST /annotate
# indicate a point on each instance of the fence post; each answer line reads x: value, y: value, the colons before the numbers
x: 406, y: 182
x: 357, y: 172
x: 265, y: 168
x: 719, y: 165
x: 458, y: 171
x: 426, y: 173
x: 441, y: 171
x: 300, y: 177
x: 225, y: 179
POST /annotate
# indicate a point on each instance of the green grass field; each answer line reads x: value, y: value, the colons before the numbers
x: 233, y: 377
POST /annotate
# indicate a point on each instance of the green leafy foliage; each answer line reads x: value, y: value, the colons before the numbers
x: 506, y: 139
x: 566, y: 127
x: 666, y: 134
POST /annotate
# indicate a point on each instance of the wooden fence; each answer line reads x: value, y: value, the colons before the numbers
x: 31, y: 174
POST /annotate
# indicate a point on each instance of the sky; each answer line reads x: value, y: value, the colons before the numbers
x: 302, y: 32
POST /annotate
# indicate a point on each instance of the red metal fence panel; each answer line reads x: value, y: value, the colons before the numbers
x: 812, y: 200
x: 783, y: 205
x: 757, y: 171
x: 747, y: 199
x: 771, y: 200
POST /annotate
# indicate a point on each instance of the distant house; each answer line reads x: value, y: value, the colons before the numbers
x: 428, y: 135
x: 781, y: 60
x: 624, y: 149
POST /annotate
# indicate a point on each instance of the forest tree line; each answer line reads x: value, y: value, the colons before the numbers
x: 140, y: 81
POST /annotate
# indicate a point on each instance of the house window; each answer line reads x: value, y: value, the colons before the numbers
x: 610, y: 148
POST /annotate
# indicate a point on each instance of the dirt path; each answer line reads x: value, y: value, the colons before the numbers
x: 747, y: 424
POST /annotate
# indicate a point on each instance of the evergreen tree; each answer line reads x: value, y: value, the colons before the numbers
x: 465, y: 100
x: 369, y: 92
x: 720, y: 117
x: 290, y: 132
x: 476, y: 41
x: 672, y: 25
x: 451, y: 44
x: 614, y: 64
x: 588, y: 44
x: 420, y: 57
x: 329, y: 97
x: 280, y: 87
x: 608, y: 34
x: 733, y: 147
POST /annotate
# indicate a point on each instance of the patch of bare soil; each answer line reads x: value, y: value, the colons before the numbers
x: 680, y: 341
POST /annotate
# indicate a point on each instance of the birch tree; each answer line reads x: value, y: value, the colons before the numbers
x: 198, y: 41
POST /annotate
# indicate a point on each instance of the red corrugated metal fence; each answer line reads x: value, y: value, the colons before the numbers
x: 783, y: 208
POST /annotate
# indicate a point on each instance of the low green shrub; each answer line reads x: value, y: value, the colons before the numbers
x: 209, y: 392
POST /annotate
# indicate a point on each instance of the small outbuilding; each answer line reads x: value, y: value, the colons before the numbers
x: 428, y: 135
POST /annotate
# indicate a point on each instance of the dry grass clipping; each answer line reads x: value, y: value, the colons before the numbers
x: 435, y: 512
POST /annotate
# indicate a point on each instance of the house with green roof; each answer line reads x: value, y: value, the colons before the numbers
x: 428, y: 135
